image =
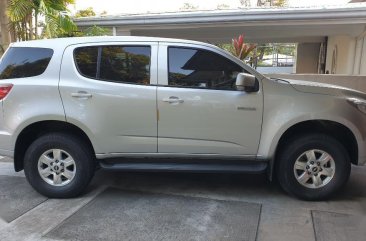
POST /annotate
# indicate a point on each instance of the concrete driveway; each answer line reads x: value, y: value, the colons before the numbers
x: 176, y: 206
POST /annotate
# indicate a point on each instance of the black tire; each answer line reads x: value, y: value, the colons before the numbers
x: 83, y: 158
x: 294, y: 148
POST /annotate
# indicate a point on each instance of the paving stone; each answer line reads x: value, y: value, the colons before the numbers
x: 17, y: 197
x: 330, y: 226
x: 129, y: 215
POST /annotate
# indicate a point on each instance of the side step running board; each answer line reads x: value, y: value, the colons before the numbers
x: 252, y: 167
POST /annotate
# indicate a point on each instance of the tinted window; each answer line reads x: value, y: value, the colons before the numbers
x: 86, y: 61
x: 201, y: 69
x: 24, y: 62
x: 125, y: 64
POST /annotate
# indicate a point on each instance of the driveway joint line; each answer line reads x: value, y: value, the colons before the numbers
x: 259, y: 221
x: 76, y: 211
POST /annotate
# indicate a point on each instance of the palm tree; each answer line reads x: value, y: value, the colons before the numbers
x: 24, y: 18
x: 19, y: 13
x: 2, y: 50
x: 4, y: 21
x: 57, y: 20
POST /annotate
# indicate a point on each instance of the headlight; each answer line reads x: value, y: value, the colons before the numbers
x: 359, y: 103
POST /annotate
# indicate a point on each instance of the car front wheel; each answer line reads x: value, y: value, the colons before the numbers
x: 59, y: 165
x: 313, y: 167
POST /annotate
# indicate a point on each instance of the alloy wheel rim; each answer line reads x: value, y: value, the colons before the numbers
x: 56, y: 167
x: 314, y: 168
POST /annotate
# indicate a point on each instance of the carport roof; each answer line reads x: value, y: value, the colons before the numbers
x: 259, y: 24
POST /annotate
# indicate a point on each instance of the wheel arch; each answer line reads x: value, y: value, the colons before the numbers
x: 339, y: 131
x: 31, y: 132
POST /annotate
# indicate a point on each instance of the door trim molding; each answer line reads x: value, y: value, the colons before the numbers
x: 176, y: 155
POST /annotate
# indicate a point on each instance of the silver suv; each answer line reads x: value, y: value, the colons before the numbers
x: 70, y: 106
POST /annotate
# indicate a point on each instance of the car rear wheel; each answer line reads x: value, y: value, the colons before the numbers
x: 59, y: 165
x: 313, y: 167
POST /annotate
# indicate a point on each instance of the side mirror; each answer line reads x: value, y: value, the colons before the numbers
x: 246, y: 82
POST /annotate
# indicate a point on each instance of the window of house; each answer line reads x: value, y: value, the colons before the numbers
x: 196, y: 68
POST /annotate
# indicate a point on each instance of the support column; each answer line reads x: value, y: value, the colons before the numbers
x: 307, y: 58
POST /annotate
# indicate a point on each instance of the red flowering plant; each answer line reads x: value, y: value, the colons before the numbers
x: 241, y: 49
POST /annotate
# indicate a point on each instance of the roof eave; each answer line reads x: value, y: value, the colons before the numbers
x: 334, y: 15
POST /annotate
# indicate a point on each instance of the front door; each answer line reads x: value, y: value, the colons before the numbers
x: 200, y: 110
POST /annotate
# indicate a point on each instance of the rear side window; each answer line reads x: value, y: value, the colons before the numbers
x: 24, y: 62
x: 121, y: 64
x: 125, y: 64
x: 86, y: 60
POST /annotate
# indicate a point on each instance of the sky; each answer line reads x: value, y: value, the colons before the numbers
x: 144, y: 6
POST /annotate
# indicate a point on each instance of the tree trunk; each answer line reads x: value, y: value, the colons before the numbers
x: 4, y: 23
x: 24, y: 31
x: 30, y: 21
x: 19, y: 31
x: 36, y: 24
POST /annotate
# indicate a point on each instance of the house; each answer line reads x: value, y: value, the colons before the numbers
x: 329, y: 39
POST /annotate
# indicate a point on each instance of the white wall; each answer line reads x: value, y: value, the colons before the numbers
x: 307, y: 58
x: 345, y: 58
x: 275, y: 70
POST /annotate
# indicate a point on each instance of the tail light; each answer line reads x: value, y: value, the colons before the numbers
x: 4, y: 90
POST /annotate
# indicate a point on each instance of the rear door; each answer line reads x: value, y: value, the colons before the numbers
x: 109, y: 90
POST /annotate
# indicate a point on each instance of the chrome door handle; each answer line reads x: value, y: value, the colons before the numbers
x: 173, y: 99
x: 81, y: 95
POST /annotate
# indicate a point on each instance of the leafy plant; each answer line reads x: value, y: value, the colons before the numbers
x: 96, y: 31
x: 272, y: 3
x: 188, y: 7
x: 223, y: 6
x: 89, y: 12
x: 240, y: 49
x: 24, y: 16
x: 245, y: 3
x: 2, y: 50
